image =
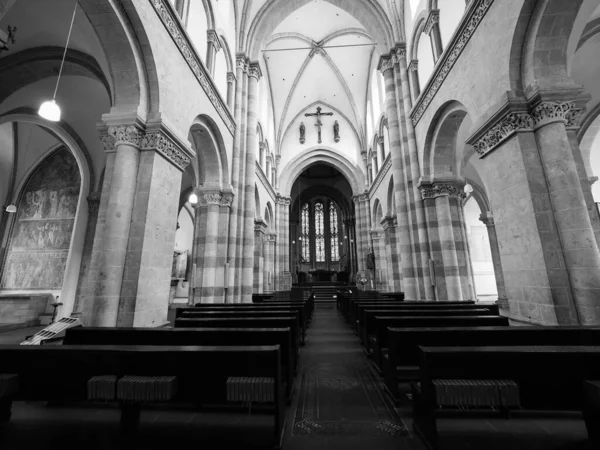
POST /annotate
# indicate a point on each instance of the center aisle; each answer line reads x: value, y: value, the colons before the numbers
x: 339, y: 401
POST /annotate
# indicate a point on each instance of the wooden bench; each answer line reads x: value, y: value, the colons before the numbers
x: 378, y: 340
x: 195, y: 336
x: 304, y: 319
x: 244, y: 322
x: 62, y: 372
x: 548, y: 378
x: 366, y: 326
x: 208, y: 314
x: 400, y: 361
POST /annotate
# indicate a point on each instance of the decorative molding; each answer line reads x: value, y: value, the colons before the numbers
x: 145, y: 140
x: 549, y: 112
x: 360, y: 198
x: 231, y: 77
x: 227, y: 199
x: 285, y: 201
x: 261, y: 226
x: 430, y: 191
x: 505, y: 127
x: 387, y: 165
x: 459, y: 41
x: 169, y: 19
x: 376, y: 235
x: 389, y: 222
x: 209, y: 198
x: 432, y: 19
x: 254, y: 71
x: 265, y: 181
x: 385, y: 63
x: 213, y: 38
x: 414, y: 65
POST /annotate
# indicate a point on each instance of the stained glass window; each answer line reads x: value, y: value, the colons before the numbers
x: 319, y: 233
x: 333, y: 227
x: 305, y: 233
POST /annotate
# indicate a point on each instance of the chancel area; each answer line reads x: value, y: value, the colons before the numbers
x: 300, y: 224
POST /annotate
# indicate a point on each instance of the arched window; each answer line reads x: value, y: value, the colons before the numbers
x: 333, y: 227
x: 319, y: 233
x: 306, y: 233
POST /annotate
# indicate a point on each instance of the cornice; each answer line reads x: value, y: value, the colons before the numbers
x: 265, y: 181
x: 387, y: 164
x: 169, y: 18
x: 473, y: 17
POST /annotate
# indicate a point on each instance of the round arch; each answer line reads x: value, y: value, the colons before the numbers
x: 211, y: 155
x: 325, y: 155
x: 75, y: 145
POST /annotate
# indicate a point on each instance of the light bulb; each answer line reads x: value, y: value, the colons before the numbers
x: 193, y: 199
x: 49, y: 110
x: 11, y: 209
x: 468, y: 188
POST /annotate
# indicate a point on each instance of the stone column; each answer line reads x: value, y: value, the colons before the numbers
x: 449, y: 250
x: 213, y: 45
x: 234, y: 230
x: 231, y: 88
x: 386, y: 66
x: 413, y: 73
x: 380, y: 263
x: 254, y: 75
x: 360, y: 227
x: 260, y: 229
x: 283, y: 243
x: 394, y: 265
x: 413, y: 173
x: 88, y: 245
x: 227, y: 197
x: 488, y: 219
x: 206, y: 242
x: 432, y: 28
x: 269, y: 252
x: 576, y: 233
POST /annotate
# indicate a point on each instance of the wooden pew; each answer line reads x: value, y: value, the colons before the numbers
x: 244, y: 322
x: 208, y: 313
x: 366, y: 326
x: 62, y: 372
x: 378, y: 340
x: 401, y: 360
x: 194, y: 336
x: 362, y: 308
x: 181, y: 312
x: 548, y: 378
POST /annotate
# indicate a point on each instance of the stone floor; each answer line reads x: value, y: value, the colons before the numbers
x: 338, y: 403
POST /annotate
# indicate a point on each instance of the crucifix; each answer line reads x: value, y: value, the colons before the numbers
x: 318, y: 114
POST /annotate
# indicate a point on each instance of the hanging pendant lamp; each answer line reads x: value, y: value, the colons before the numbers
x: 50, y: 110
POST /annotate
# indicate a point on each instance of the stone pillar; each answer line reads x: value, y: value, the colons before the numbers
x: 432, y: 28
x: 394, y: 265
x: 254, y: 75
x: 576, y: 233
x: 234, y: 218
x: 283, y: 243
x: 413, y: 173
x: 231, y: 89
x: 260, y: 228
x: 213, y: 45
x: 269, y: 252
x: 227, y: 197
x: 130, y: 275
x: 359, y: 232
x: 443, y: 204
x: 413, y: 73
x: 88, y: 245
x: 386, y: 66
x: 380, y: 275
x: 488, y: 219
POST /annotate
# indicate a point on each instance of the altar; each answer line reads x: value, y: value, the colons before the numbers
x: 323, y: 275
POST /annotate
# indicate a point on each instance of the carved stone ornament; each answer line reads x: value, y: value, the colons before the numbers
x: 231, y: 77
x: 271, y: 237
x: 254, y: 71
x: 209, y: 198
x: 449, y: 58
x: 442, y: 189
x: 398, y: 54
x: 487, y: 219
x: 376, y: 235
x: 548, y: 112
x: 285, y: 201
x: 165, y: 12
x: 241, y: 63
x: 389, y: 222
x: 213, y: 37
x: 360, y: 198
x: 385, y: 63
x: 511, y: 123
x: 227, y: 199
x: 260, y: 226
x: 432, y: 19
x: 93, y: 203
x: 414, y: 65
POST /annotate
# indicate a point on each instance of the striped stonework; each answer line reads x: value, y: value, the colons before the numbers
x: 260, y: 229
x: 282, y: 270
x: 380, y: 277
x: 227, y: 198
x: 206, y: 244
x: 447, y: 233
x: 403, y: 230
x: 361, y: 230
x: 394, y: 266
x: 413, y: 173
x: 269, y: 251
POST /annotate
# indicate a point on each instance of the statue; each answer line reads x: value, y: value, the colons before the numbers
x: 336, y: 131
x: 302, y: 131
x: 370, y: 259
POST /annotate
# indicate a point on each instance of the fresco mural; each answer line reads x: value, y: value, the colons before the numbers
x: 41, y: 236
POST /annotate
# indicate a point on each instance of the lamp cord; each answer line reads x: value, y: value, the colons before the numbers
x: 65, y: 52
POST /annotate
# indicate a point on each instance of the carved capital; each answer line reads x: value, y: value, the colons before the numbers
x: 360, y: 198
x: 241, y: 62
x: 209, y: 198
x: 226, y: 199
x: 271, y: 237
x: 592, y: 180
x: 260, y: 226
x: 505, y: 127
x: 93, y: 203
x: 549, y: 112
x: 431, y: 191
x: 389, y: 222
x: 213, y: 38
x: 385, y: 63
x: 285, y: 201
x: 432, y: 19
x: 231, y: 77
x: 254, y: 71
x: 126, y: 134
x: 376, y: 235
x: 414, y: 65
